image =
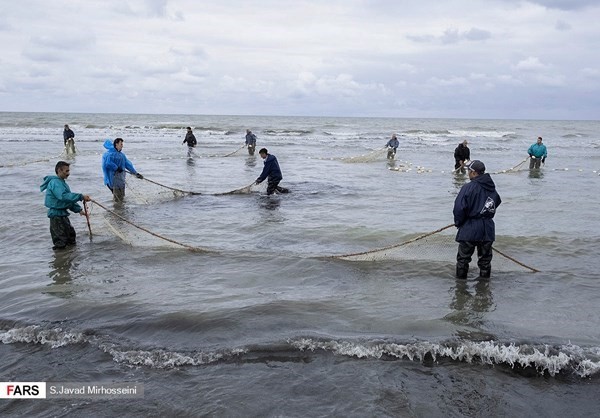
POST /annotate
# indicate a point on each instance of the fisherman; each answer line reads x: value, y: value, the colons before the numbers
x: 474, y: 210
x: 537, y: 152
x: 271, y: 171
x: 59, y: 200
x: 250, y: 141
x: 190, y: 139
x: 462, y: 155
x: 392, y: 145
x: 69, y: 138
x: 114, y: 165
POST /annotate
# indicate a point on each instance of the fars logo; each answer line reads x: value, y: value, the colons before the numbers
x: 22, y: 390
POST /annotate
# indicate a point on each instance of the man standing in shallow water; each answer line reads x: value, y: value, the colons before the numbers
x: 271, y: 171
x: 59, y: 200
x: 114, y: 165
x: 538, y: 153
x: 474, y: 210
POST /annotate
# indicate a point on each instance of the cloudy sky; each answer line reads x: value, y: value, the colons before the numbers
x: 534, y: 59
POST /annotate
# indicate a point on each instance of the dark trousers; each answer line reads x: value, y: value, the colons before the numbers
x: 62, y: 232
x: 118, y: 194
x: 274, y: 185
x: 535, y: 162
x: 251, y: 148
x: 484, y: 257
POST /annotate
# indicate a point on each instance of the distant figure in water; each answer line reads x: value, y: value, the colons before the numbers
x: 392, y: 145
x: 462, y: 155
x: 538, y: 153
x: 272, y: 172
x: 114, y: 164
x: 474, y: 210
x: 69, y: 138
x: 250, y: 141
x: 190, y: 139
x: 59, y: 201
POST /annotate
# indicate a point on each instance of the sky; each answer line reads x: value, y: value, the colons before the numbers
x: 491, y: 59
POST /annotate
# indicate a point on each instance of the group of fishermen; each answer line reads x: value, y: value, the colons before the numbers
x: 474, y: 207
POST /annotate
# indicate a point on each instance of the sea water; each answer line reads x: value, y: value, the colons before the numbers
x: 266, y: 323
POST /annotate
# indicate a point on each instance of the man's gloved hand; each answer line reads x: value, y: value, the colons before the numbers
x: 257, y: 182
x: 119, y: 170
x: 139, y: 176
x: 533, y: 157
x: 544, y: 160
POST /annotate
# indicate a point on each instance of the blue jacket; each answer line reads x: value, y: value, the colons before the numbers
x: 474, y: 208
x: 537, y: 150
x: 59, y: 198
x: 270, y: 170
x: 250, y: 139
x: 111, y: 161
x: 68, y: 133
x: 393, y: 143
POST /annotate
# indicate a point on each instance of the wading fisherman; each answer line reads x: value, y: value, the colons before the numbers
x: 59, y: 201
x: 114, y: 165
x: 69, y: 138
x: 250, y: 141
x: 538, y: 154
x: 392, y: 145
x: 272, y: 172
x: 462, y: 154
x: 474, y: 210
x: 190, y: 139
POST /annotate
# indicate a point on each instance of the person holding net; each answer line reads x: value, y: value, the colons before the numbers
x: 538, y: 153
x: 69, y: 138
x: 114, y: 166
x: 474, y: 210
x: 462, y: 155
x: 272, y: 172
x: 250, y: 141
x: 190, y: 139
x: 392, y: 145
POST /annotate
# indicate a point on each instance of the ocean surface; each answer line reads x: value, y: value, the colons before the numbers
x: 260, y: 319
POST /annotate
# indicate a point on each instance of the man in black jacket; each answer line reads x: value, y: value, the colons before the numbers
x: 474, y: 210
x: 271, y: 172
x: 191, y: 141
x: 462, y: 154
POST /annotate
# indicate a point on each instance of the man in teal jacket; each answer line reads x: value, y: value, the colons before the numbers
x: 537, y: 153
x: 59, y: 200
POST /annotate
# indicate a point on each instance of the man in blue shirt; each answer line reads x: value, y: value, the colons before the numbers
x: 537, y: 153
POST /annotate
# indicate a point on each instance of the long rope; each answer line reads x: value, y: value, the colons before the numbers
x: 231, y: 153
x: 512, y: 168
x: 389, y: 247
x: 241, y: 190
x: 172, y: 188
x: 188, y: 247
x: 515, y: 261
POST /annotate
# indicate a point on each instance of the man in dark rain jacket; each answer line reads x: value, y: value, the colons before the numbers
x: 474, y: 210
x: 271, y: 171
x: 462, y: 154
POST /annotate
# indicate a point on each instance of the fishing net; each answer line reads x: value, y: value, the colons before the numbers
x: 366, y: 158
x: 145, y: 191
x: 436, y: 246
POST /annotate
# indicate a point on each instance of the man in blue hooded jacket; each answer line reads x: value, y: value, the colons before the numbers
x: 271, y: 171
x: 392, y: 145
x: 59, y: 200
x: 538, y: 153
x: 474, y: 210
x: 114, y: 166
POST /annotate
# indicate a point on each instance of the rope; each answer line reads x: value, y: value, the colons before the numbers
x: 188, y: 247
x: 512, y: 168
x: 231, y: 153
x: 515, y: 261
x: 395, y: 245
x: 172, y: 188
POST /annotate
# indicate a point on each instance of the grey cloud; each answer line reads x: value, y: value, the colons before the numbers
x: 562, y: 25
x: 452, y: 36
x: 566, y: 4
x: 64, y: 41
x: 476, y: 34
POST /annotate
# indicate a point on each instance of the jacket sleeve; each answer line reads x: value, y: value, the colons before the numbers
x: 265, y: 172
x: 129, y: 166
x: 460, y: 207
x: 530, y: 150
x: 108, y: 164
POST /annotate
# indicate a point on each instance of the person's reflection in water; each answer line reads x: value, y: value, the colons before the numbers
x: 251, y: 161
x: 470, y: 308
x: 60, y: 272
x: 459, y: 179
x: 269, y: 202
x: 536, y: 173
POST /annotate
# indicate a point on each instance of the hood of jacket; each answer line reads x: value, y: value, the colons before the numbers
x: 485, y: 181
x: 46, y: 181
x: 108, y: 144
